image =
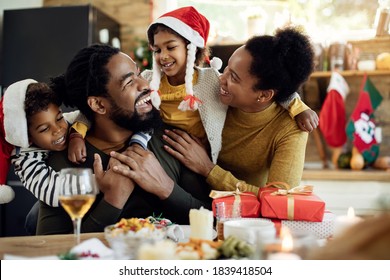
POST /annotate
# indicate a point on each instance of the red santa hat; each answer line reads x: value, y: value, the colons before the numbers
x: 13, y: 131
x: 194, y: 27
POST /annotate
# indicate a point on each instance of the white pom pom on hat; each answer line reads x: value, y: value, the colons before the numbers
x: 13, y: 131
x: 7, y: 194
x: 194, y: 27
x: 216, y: 63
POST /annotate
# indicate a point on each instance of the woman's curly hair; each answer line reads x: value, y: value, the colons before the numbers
x: 282, y: 62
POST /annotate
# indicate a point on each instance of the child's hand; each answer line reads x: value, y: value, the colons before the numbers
x: 77, y: 152
x: 307, y: 120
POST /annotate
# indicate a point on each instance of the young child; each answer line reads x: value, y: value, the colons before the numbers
x: 33, y: 125
x: 187, y: 94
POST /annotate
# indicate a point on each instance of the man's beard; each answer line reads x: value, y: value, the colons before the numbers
x: 134, y: 121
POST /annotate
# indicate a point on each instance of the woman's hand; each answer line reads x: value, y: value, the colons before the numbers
x: 189, y: 151
x: 143, y: 168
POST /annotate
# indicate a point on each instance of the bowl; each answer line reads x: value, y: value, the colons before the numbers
x: 251, y: 230
x: 126, y: 236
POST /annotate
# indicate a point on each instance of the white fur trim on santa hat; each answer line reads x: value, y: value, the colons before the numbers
x: 183, y: 29
x: 15, y: 122
x: 7, y: 194
x: 338, y: 83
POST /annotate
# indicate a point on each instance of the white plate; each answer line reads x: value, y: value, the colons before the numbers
x: 187, y: 231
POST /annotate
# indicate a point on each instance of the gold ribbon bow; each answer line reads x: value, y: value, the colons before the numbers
x: 237, y: 194
x: 218, y: 194
x: 303, y: 190
x: 300, y: 190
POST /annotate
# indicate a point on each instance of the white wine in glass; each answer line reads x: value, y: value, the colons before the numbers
x: 78, y: 190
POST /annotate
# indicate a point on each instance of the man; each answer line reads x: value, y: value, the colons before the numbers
x: 105, y: 85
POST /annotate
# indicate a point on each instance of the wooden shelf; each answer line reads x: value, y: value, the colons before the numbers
x: 346, y: 175
x: 350, y: 73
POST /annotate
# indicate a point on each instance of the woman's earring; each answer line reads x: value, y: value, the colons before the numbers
x: 258, y: 99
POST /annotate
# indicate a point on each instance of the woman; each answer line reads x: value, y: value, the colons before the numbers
x: 260, y: 142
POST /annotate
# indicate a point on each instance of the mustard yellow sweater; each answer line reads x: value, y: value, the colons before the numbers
x: 258, y: 148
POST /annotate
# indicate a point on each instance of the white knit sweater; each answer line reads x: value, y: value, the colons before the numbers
x: 212, y: 111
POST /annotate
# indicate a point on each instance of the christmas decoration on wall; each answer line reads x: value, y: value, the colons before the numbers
x: 362, y: 128
x: 333, y: 116
x: 143, y: 55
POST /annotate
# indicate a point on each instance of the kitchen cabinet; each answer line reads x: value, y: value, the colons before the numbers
x: 39, y: 43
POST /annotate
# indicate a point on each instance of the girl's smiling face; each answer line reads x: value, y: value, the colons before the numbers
x: 170, y: 52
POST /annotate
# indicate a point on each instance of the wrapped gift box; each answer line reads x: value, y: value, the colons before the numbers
x: 250, y: 205
x: 321, y: 230
x: 291, y: 206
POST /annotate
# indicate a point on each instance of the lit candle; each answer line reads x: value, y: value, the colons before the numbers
x: 286, y: 248
x: 341, y: 223
x: 201, y: 223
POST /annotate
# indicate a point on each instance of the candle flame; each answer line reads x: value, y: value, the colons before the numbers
x: 287, y: 240
x: 351, y: 212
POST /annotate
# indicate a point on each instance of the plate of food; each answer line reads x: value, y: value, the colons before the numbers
x: 127, y: 235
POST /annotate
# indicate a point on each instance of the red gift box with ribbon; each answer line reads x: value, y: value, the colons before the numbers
x: 250, y: 205
x: 299, y: 203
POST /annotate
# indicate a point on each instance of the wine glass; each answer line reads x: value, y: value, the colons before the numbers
x: 78, y: 190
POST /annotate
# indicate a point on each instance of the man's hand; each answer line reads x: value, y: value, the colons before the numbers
x: 116, y: 188
x: 143, y: 168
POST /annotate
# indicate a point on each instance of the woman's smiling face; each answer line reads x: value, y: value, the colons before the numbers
x: 237, y: 83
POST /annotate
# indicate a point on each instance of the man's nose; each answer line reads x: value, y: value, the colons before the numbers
x: 143, y: 84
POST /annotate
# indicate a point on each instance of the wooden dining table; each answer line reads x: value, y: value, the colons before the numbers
x: 43, y: 245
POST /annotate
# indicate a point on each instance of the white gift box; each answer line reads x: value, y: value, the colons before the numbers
x: 321, y: 230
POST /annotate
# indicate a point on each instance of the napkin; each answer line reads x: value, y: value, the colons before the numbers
x: 17, y: 257
x: 175, y: 232
x: 92, y: 249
